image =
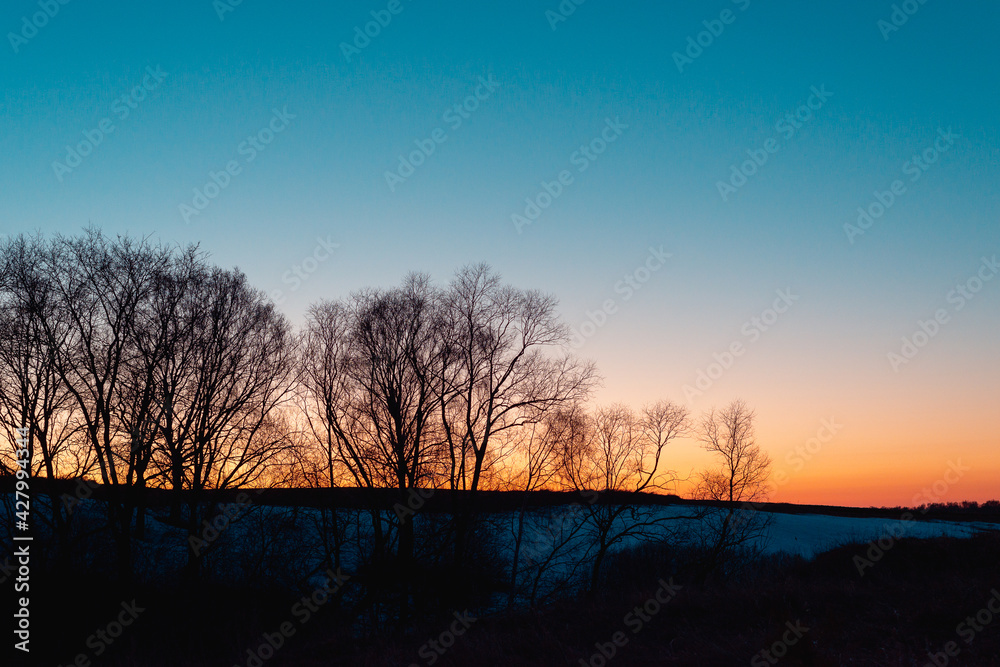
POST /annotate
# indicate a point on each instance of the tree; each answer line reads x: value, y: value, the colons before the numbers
x: 621, y: 453
x: 501, y: 372
x: 536, y: 451
x: 222, y: 387
x: 32, y: 394
x: 97, y: 287
x: 369, y: 369
x: 736, y: 484
x: 142, y: 355
x: 158, y: 329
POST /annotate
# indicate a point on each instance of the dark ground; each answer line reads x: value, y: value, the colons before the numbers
x: 910, y: 603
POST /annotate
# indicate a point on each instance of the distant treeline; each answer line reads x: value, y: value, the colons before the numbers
x: 70, y: 491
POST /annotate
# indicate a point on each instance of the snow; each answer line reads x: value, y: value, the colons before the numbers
x: 807, y: 535
x: 294, y: 548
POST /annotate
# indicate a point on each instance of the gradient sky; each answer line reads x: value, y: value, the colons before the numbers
x: 323, y: 177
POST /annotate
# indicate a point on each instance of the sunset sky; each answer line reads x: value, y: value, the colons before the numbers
x: 272, y: 134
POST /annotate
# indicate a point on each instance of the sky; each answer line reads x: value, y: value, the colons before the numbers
x: 793, y: 205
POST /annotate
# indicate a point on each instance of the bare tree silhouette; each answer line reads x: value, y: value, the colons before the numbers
x: 500, y: 374
x: 369, y: 369
x: 739, y: 480
x: 97, y: 286
x: 224, y: 424
x: 32, y: 394
x: 538, y: 451
x: 622, y: 451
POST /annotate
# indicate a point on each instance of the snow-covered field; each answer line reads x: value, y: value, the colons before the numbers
x: 810, y: 534
x: 283, y: 544
x: 807, y: 535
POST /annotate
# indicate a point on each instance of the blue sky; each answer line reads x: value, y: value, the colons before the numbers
x: 324, y: 177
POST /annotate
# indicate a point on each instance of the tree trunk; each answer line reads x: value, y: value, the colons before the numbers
x: 516, y: 560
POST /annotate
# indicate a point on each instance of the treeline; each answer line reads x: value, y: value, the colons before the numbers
x: 142, y: 365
